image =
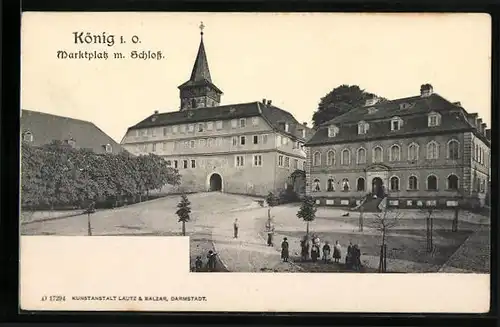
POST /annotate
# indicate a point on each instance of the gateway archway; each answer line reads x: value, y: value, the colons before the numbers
x: 215, y: 183
x: 378, y: 187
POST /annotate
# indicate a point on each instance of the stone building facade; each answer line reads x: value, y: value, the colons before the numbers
x: 417, y: 151
x: 246, y: 148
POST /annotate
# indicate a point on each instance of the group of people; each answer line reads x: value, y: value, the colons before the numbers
x: 211, y: 262
x: 312, y: 248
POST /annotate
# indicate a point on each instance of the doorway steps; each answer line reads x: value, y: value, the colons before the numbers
x: 369, y: 204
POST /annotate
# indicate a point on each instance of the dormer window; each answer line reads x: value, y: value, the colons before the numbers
x: 406, y: 105
x: 28, y: 136
x: 71, y: 142
x: 396, y: 123
x: 287, y: 127
x: 372, y: 110
x: 303, y: 133
x: 108, y: 148
x: 333, y: 131
x: 363, y: 127
x: 434, y: 119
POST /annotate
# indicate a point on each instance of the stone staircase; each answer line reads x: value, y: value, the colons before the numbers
x: 369, y: 204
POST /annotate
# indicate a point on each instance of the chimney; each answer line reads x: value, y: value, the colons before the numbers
x: 156, y: 112
x: 458, y: 104
x: 305, y: 124
x: 269, y: 102
x: 483, y: 128
x: 472, y: 119
x: 488, y: 134
x: 479, y: 121
x: 425, y: 90
x: 264, y: 101
x: 371, y: 100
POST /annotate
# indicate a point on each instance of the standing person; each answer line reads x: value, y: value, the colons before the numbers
x: 316, y: 240
x: 235, y: 227
x: 198, y: 264
x: 211, y: 260
x: 357, y: 257
x: 314, y: 252
x: 348, y: 257
x: 326, y: 252
x: 284, y: 250
x: 270, y: 233
x: 337, y: 252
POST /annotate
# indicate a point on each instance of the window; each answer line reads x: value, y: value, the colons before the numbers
x: 316, y: 186
x: 242, y: 140
x: 413, y: 152
x: 287, y: 127
x: 144, y: 132
x: 361, y: 156
x: 240, y: 161
x: 264, y: 138
x: 137, y: 133
x: 395, y: 153
x: 190, y: 128
x: 28, y: 137
x: 295, y: 163
x: 176, y: 164
x: 185, y: 164
x: 218, y: 141
x: 330, y: 158
x: 192, y: 144
x: 210, y: 142
x: 186, y: 144
x: 153, y: 132
x: 394, y: 183
x: 278, y: 140
x: 453, y: 149
x: 413, y: 183
x: 396, y: 123
x: 330, y: 185
x: 257, y: 160
x: 453, y: 182
x: 316, y: 159
x: 284, y: 140
x: 154, y: 147
x: 218, y: 124
x: 333, y: 131
x: 346, y: 157
x: 378, y: 154
x: 432, y: 183
x: 201, y: 127
x: 345, y: 185
x: 165, y: 131
x: 280, y: 160
x: 193, y: 163
x: 255, y: 121
x: 234, y: 123
x: 362, y: 127
x: 256, y: 139
x: 432, y: 150
x: 433, y: 119
x: 235, y: 140
x: 210, y: 126
x: 193, y: 103
x: 287, y: 162
x: 243, y: 122
x: 108, y: 148
x: 360, y: 184
x: 183, y: 129
x: 203, y: 142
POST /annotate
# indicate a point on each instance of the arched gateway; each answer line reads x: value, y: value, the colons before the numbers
x: 215, y: 183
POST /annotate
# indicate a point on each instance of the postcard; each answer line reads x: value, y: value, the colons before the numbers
x: 245, y: 162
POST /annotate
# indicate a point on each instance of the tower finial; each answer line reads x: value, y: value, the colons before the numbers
x: 202, y: 27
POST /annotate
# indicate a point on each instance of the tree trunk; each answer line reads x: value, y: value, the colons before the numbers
x: 307, y: 229
x: 361, y: 219
x: 89, y: 227
x: 269, y: 213
x: 454, y: 227
x: 183, y: 228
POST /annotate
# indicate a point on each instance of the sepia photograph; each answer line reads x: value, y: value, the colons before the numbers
x: 273, y: 143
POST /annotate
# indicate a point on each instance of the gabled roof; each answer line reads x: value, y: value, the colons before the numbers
x: 273, y: 115
x: 413, y: 110
x: 46, y: 128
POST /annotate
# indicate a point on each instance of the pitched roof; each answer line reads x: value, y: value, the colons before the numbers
x: 273, y: 115
x: 46, y: 128
x: 413, y: 110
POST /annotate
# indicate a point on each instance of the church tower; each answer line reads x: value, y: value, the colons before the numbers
x: 199, y: 91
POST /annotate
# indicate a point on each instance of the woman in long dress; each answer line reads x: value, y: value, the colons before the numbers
x: 326, y: 252
x: 337, y: 252
x: 284, y: 250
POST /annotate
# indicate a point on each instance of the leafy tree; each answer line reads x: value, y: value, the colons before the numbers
x: 184, y: 211
x: 272, y: 200
x: 307, y: 211
x: 339, y: 101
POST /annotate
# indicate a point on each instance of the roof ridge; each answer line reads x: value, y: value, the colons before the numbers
x: 58, y: 116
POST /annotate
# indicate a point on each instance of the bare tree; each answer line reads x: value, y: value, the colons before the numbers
x: 429, y: 222
x: 384, y: 222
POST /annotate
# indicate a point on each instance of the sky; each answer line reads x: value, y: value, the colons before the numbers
x: 291, y: 59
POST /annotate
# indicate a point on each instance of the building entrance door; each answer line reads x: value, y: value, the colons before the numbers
x: 378, y: 187
x: 215, y: 183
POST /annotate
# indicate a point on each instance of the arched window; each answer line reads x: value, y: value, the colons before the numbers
x: 360, y: 184
x: 453, y: 182
x: 378, y: 154
x: 432, y: 150
x: 395, y: 153
x: 330, y: 186
x: 345, y: 185
x: 317, y: 159
x: 361, y: 156
x: 316, y: 186
x: 330, y: 158
x: 193, y: 103
x: 432, y: 183
x: 394, y: 183
x: 346, y: 157
x: 413, y: 152
x: 28, y: 136
x: 412, y: 183
x: 453, y: 149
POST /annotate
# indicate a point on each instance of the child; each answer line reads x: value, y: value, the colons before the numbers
x: 198, y: 264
